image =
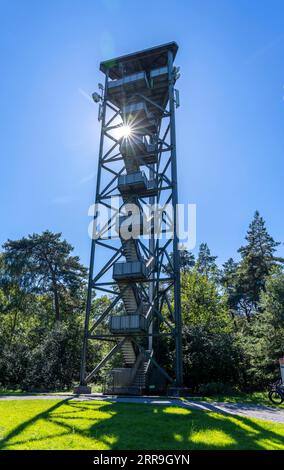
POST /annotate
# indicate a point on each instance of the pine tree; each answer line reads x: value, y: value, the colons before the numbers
x: 42, y: 264
x: 257, y: 262
x: 228, y: 272
x: 260, y: 243
x: 186, y: 259
x: 205, y: 263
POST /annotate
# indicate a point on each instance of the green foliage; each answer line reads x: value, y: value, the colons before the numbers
x: 233, y: 319
x: 205, y: 263
x: 186, y: 261
x: 210, y: 357
x: 39, y: 358
x: 201, y: 302
x: 209, y: 351
x: 257, y: 262
x: 42, y: 264
x: 41, y: 283
x: 263, y: 339
x: 215, y: 388
x: 272, y: 299
x: 228, y: 281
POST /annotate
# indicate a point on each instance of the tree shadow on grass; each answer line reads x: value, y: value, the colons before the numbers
x: 103, y: 425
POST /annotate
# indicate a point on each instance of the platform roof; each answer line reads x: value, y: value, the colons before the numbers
x: 147, y: 59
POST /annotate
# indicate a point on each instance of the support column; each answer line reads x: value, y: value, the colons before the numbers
x: 176, y: 259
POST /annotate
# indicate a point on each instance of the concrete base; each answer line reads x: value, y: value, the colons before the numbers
x: 82, y: 390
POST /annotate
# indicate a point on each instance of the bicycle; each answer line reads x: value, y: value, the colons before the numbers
x: 276, y: 393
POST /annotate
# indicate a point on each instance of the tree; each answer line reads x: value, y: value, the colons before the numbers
x: 42, y: 264
x: 263, y: 339
x: 259, y: 242
x: 201, y: 302
x: 272, y: 300
x: 206, y: 262
x: 228, y: 280
x: 209, y: 351
x: 186, y: 260
x: 55, y: 362
x: 212, y: 358
x: 257, y: 262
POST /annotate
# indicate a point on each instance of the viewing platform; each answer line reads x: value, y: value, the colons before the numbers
x: 126, y: 324
x: 139, y: 149
x: 144, y: 72
x: 137, y: 183
x: 138, y: 116
x: 131, y: 270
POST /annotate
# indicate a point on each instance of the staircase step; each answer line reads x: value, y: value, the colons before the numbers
x: 128, y: 353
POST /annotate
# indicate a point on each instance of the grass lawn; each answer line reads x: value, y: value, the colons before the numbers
x: 63, y: 424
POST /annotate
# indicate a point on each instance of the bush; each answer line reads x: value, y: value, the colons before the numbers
x: 51, y: 364
x: 55, y: 362
x: 215, y: 388
x: 14, y: 363
x: 210, y: 358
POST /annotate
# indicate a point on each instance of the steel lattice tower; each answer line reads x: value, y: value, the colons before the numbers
x: 141, y: 274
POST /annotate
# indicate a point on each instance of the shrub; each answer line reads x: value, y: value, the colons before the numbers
x: 215, y: 388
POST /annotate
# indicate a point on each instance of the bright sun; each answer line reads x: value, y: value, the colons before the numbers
x: 124, y: 131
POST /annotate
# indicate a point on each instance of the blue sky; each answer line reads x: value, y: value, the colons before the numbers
x: 229, y: 126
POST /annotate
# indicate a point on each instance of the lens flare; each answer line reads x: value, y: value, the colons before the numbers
x: 124, y: 131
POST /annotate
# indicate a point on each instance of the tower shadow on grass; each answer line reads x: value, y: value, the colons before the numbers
x: 26, y: 424
x: 119, y: 426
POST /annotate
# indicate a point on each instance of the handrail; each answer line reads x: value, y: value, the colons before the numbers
x: 136, y: 366
x: 149, y: 361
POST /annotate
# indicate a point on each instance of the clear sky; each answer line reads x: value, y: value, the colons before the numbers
x: 230, y: 132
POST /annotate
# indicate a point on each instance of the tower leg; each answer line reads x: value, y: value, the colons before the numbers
x: 176, y: 258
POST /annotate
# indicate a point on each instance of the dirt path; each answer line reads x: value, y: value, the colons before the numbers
x: 265, y: 412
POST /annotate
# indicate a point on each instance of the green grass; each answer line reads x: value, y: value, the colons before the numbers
x: 66, y: 424
x: 10, y: 392
x: 5, y: 391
